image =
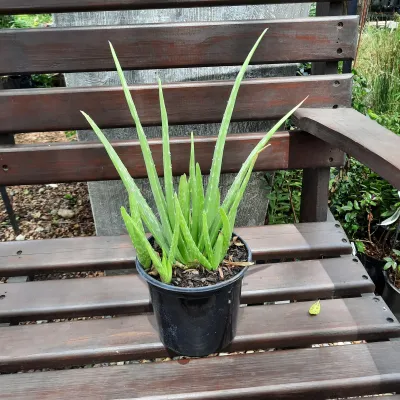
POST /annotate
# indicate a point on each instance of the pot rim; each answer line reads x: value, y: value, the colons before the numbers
x: 204, y: 289
x: 387, y: 279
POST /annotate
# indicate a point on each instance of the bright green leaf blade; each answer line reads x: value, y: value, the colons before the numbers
x: 215, y: 171
x: 168, y: 179
x: 261, y: 144
x: 184, y: 197
x: 191, y: 245
x: 135, y: 213
x: 138, y: 237
x: 148, y: 158
x: 194, y: 225
x: 218, y: 254
x: 238, y: 198
x: 173, y: 251
x: 199, y: 196
x: 166, y: 271
x: 206, y: 237
x: 227, y: 230
x: 315, y: 309
x: 145, y: 211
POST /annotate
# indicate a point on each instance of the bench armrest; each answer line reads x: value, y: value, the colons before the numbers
x: 357, y: 135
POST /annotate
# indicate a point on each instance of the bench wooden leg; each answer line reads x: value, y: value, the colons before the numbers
x: 314, y: 196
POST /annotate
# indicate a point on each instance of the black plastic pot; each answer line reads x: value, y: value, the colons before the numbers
x: 374, y: 268
x: 196, y: 321
x: 391, y: 295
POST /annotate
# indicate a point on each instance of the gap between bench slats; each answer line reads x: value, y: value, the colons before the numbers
x: 317, y: 374
x: 177, y: 45
x: 38, y: 164
x: 189, y: 102
x: 307, y: 240
x: 49, y: 6
x: 63, y: 344
x: 301, y: 280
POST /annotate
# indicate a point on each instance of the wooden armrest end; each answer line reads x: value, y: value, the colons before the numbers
x: 357, y: 135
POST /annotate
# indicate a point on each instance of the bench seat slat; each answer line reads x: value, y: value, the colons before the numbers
x: 115, y: 252
x: 38, y: 164
x: 302, y: 280
x: 187, y: 103
x: 345, y: 371
x: 120, y: 339
x: 189, y: 45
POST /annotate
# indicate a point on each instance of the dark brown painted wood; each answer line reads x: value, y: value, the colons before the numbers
x: 49, y: 6
x: 302, y: 280
x: 115, y: 252
x: 314, y: 195
x: 344, y: 371
x: 135, y: 337
x: 194, y: 102
x: 315, y: 187
x: 358, y: 135
x: 176, y: 45
x: 49, y: 163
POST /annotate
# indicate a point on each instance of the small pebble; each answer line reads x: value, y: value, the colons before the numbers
x: 65, y: 213
x: 20, y: 238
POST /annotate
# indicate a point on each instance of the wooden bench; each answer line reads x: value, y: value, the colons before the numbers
x: 317, y: 261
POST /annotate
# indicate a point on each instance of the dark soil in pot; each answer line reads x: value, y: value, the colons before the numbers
x: 200, y: 318
x: 391, y: 293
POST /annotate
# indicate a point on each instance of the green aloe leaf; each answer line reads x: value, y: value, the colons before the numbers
x: 199, y: 196
x: 238, y: 198
x: 206, y: 237
x: 227, y: 229
x: 166, y: 271
x: 218, y: 254
x: 184, y: 197
x: 145, y: 211
x: 243, y: 170
x: 168, y: 180
x: 194, y: 226
x: 148, y: 158
x: 192, y: 249
x: 135, y: 213
x: 173, y: 251
x: 212, y: 188
x: 138, y: 238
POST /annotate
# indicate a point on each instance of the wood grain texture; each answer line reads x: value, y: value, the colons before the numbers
x: 314, y: 194
x: 194, y: 102
x: 49, y: 6
x: 303, y: 280
x: 49, y: 163
x: 176, y: 45
x: 116, y: 252
x: 136, y: 337
x: 358, y: 135
x: 344, y: 371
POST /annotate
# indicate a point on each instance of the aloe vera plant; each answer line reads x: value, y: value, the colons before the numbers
x: 193, y: 228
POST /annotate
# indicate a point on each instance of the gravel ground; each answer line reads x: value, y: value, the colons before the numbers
x: 49, y: 211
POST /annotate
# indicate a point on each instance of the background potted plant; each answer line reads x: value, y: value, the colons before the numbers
x: 391, y: 293
x: 193, y: 262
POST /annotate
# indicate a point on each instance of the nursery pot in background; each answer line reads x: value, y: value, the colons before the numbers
x: 374, y: 267
x: 391, y: 295
x: 196, y: 321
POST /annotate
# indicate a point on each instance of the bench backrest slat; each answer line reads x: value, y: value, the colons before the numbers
x: 39, y: 164
x: 177, y: 45
x: 56, y: 6
x: 37, y: 110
